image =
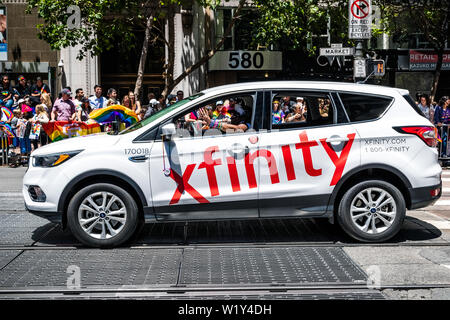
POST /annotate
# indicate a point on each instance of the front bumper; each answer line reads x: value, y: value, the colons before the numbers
x: 421, y: 197
x: 55, y: 217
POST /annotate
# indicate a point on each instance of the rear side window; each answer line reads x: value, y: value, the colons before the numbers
x: 413, y: 104
x: 361, y: 107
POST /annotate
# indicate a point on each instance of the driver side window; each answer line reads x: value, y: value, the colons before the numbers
x: 222, y: 115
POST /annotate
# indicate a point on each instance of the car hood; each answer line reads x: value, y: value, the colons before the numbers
x: 78, y: 143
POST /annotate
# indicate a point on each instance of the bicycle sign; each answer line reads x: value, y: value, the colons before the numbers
x: 359, y: 19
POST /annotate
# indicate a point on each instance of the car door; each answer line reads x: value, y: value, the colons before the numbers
x: 205, y: 176
x: 309, y: 156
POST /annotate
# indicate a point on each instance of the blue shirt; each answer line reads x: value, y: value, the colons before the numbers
x: 97, y: 103
x: 441, y: 115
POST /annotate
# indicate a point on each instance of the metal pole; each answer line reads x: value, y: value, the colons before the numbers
x: 358, y: 55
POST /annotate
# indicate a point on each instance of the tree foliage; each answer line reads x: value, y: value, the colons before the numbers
x: 101, y: 21
x: 292, y: 24
x: 429, y: 17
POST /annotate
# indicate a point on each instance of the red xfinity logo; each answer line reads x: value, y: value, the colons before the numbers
x: 304, y: 145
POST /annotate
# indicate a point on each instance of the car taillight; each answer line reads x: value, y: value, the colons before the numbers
x: 427, y: 134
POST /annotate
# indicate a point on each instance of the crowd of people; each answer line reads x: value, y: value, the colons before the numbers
x: 31, y: 106
x: 439, y: 115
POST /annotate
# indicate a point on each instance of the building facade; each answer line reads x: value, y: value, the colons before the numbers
x: 21, y: 52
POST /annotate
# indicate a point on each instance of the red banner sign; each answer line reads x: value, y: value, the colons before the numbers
x: 426, y: 60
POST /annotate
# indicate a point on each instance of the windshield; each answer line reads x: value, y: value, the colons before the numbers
x: 159, y: 114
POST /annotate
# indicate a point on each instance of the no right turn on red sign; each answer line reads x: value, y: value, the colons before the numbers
x: 359, y: 19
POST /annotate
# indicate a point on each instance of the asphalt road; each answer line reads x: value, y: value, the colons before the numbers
x: 301, y: 259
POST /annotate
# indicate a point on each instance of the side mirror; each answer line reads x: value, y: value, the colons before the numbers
x: 168, y: 130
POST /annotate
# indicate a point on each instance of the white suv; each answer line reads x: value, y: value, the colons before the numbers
x: 360, y: 154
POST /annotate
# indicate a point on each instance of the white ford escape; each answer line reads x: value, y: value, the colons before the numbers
x: 357, y: 154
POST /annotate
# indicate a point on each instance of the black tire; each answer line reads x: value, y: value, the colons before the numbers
x: 129, y: 228
x: 344, y: 215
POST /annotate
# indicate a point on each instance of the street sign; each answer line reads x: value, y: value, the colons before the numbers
x: 377, y: 67
x: 359, y: 19
x: 337, y: 50
x: 359, y: 68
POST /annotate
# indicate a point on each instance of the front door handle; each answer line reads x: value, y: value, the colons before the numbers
x: 238, y: 151
x: 138, y: 158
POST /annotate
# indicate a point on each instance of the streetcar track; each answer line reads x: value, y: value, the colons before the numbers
x: 223, y: 290
x: 234, y: 245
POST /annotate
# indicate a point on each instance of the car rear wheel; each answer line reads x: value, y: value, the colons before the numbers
x: 372, y: 211
x: 102, y: 215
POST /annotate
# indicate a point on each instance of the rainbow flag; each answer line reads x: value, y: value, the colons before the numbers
x: 7, y: 128
x: 6, y: 114
x: 58, y: 130
x: 113, y: 113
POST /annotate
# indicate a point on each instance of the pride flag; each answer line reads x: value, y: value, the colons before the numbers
x: 7, y: 128
x: 6, y: 114
x: 58, y: 130
x: 113, y: 113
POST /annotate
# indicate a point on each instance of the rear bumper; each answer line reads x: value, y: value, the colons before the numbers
x: 421, y: 197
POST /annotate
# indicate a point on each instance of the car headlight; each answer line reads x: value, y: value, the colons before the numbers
x: 54, y: 159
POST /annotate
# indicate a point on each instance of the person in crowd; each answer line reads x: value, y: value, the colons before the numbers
x: 17, y: 114
x: 426, y: 107
x: 46, y: 101
x: 97, y: 101
x: 24, y: 105
x: 6, y: 93
x: 40, y: 118
x: 296, y: 115
x: 22, y: 89
x: 277, y: 114
x: 23, y: 133
x: 135, y: 104
x: 64, y: 109
x: 126, y: 102
x: 83, y: 110
x: 141, y: 114
x: 39, y: 88
x: 152, y: 108
x: 287, y: 105
x: 180, y: 95
x: 162, y: 101
x: 112, y: 97
x: 151, y: 96
x: 442, y: 120
x: 171, y: 99
x: 79, y: 94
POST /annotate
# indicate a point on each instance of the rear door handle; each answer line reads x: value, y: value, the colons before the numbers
x: 138, y: 158
x: 336, y: 140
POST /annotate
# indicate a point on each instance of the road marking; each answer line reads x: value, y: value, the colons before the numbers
x: 445, y: 179
x: 442, y: 203
x: 10, y: 194
x: 445, y: 265
x: 446, y: 173
x: 445, y: 189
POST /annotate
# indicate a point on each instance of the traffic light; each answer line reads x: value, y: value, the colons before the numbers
x: 378, y: 67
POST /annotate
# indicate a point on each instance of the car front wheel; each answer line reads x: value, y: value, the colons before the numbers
x: 102, y: 215
x: 372, y: 211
